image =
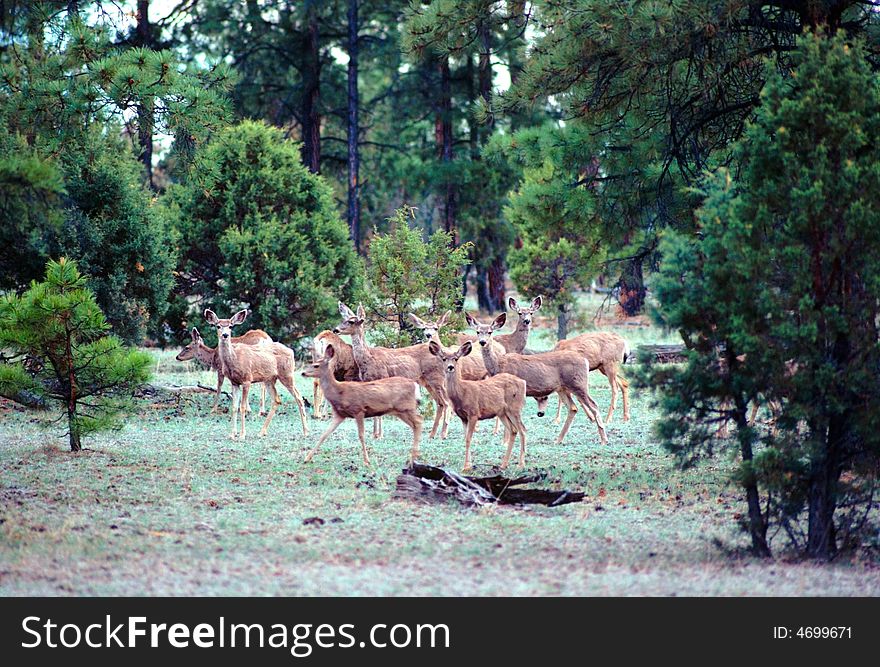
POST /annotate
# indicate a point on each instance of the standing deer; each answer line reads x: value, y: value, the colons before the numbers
x: 357, y: 400
x: 413, y: 362
x: 562, y: 371
x: 246, y: 364
x: 516, y: 341
x: 196, y: 349
x: 501, y: 396
x: 605, y: 351
x: 346, y: 368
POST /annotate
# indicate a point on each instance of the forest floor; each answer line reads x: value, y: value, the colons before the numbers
x: 171, y: 506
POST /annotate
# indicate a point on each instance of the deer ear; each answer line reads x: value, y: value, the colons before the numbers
x: 443, y: 320
x: 210, y: 316
x: 329, y: 351
x: 511, y: 303
x: 536, y: 303
x: 361, y: 313
x: 471, y: 320
x: 465, y: 349
x: 195, y: 335
x: 240, y: 317
x: 344, y: 310
x: 417, y: 321
x: 433, y: 348
x: 499, y: 321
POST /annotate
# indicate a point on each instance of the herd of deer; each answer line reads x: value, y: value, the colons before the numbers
x: 361, y: 381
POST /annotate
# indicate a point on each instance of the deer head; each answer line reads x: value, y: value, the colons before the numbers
x: 315, y: 369
x: 189, y: 352
x: 350, y: 320
x: 450, y: 360
x: 525, y: 312
x: 485, y: 331
x: 224, y: 327
x: 432, y: 328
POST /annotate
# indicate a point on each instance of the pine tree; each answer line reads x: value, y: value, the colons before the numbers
x: 260, y: 230
x: 61, y: 351
x: 777, y: 298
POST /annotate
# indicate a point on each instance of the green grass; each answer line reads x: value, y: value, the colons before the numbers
x: 171, y: 506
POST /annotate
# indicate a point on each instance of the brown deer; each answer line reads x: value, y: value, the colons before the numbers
x: 395, y: 396
x: 560, y: 371
x: 196, y: 349
x: 413, y: 362
x: 516, y: 341
x: 346, y: 368
x: 501, y: 396
x: 605, y: 351
x: 246, y: 364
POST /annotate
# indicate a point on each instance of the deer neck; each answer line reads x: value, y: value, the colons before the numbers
x: 490, y: 358
x: 520, y: 336
x: 329, y: 384
x: 453, y: 383
x: 208, y: 356
x: 361, y: 351
x: 226, y: 353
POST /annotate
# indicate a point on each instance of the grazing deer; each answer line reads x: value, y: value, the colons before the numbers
x: 561, y: 371
x: 413, y: 362
x: 605, y: 351
x: 196, y: 349
x: 516, y: 341
x: 395, y: 396
x: 346, y: 368
x: 246, y: 364
x: 501, y: 396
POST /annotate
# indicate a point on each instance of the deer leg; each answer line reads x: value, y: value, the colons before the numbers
x: 337, y: 420
x: 220, y: 378
x: 572, y: 411
x: 317, y: 399
x: 262, y: 399
x: 558, y: 419
x: 437, y: 416
x: 517, y: 420
x: 290, y: 384
x: 233, y: 411
x: 624, y: 391
x: 360, y: 424
x: 417, y: 434
x: 611, y: 374
x: 509, y: 439
x: 754, y: 414
x: 376, y: 427
x: 469, y: 433
x: 497, y: 426
x: 273, y: 396
x: 243, y: 405
x: 592, y: 411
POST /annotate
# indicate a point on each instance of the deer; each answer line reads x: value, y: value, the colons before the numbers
x: 605, y: 351
x: 246, y: 364
x: 516, y: 341
x: 346, y: 368
x: 559, y: 371
x: 413, y: 362
x: 502, y: 396
x: 196, y: 349
x: 395, y: 396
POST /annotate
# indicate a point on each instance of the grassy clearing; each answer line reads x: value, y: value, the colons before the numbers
x: 171, y: 506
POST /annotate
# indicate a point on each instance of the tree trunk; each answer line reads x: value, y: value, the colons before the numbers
x: 311, y: 119
x: 484, y: 74
x: 444, y: 139
x: 562, y: 321
x: 632, y: 288
x: 496, y: 282
x: 72, y: 428
x: 354, y: 203
x: 145, y: 109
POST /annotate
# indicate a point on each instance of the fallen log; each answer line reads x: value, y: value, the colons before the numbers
x: 431, y: 484
x: 664, y: 354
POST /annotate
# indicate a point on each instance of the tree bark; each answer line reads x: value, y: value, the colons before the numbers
x: 311, y: 118
x: 145, y: 110
x: 631, y: 296
x: 354, y: 203
x: 562, y: 321
x: 444, y: 139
